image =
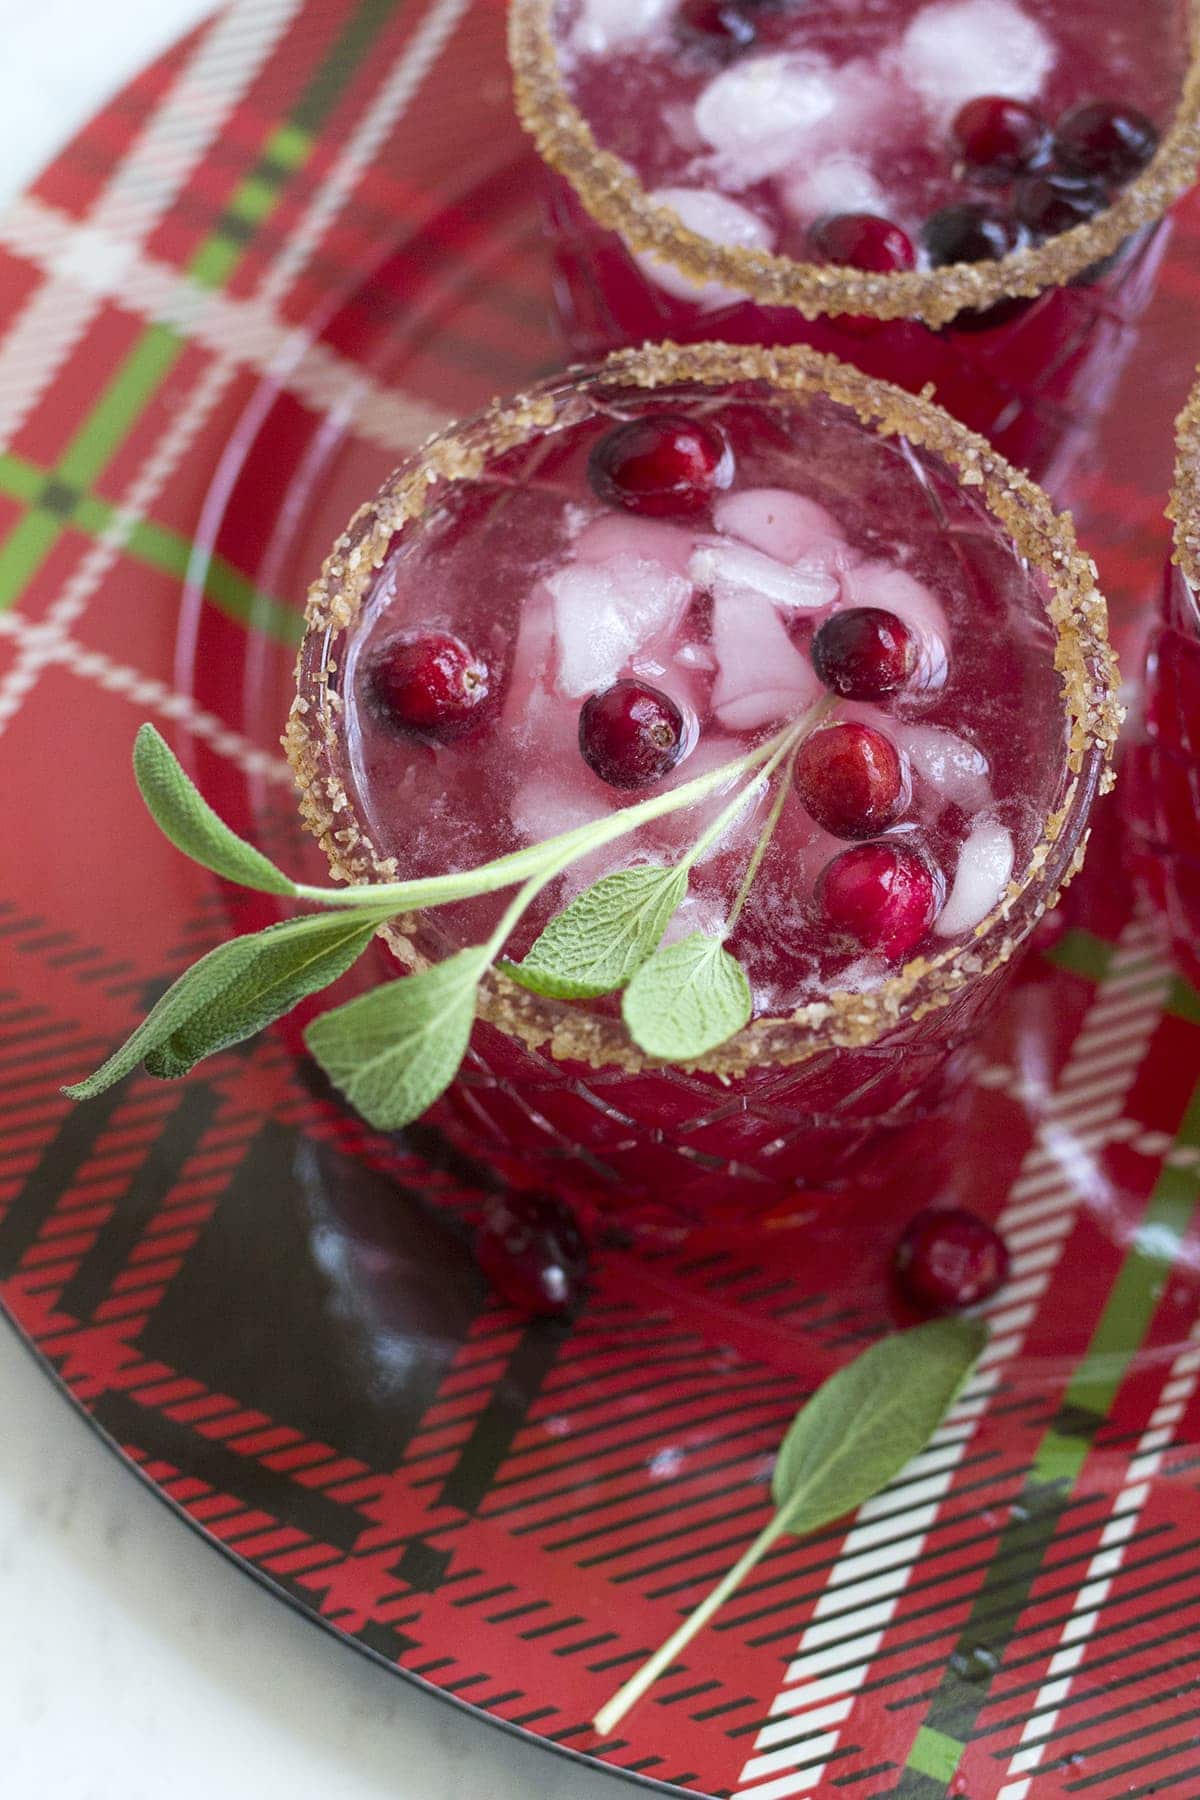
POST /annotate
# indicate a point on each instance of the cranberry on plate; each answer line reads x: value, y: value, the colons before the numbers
x: 949, y: 1258
x: 532, y: 1252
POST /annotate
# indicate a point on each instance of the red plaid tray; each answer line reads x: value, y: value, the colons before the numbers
x: 274, y: 261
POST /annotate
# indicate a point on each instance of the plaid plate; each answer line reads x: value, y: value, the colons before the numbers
x: 281, y: 256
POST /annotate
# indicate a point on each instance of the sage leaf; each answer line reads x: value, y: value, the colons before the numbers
x: 687, y: 999
x: 866, y: 1422
x: 185, y: 817
x: 233, y: 992
x: 393, y: 1051
x: 597, y: 942
x: 856, y: 1434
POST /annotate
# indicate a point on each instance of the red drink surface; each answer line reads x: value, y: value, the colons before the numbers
x: 558, y: 593
x: 874, y: 136
x: 561, y: 595
x: 860, y: 119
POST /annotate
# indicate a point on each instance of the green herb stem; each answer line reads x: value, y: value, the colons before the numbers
x: 614, y: 1710
x: 552, y: 855
x: 763, y: 844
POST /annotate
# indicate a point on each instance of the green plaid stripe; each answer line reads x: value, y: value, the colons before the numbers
x: 1119, y: 1334
x: 157, y: 546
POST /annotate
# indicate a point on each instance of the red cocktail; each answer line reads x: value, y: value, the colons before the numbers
x: 968, y: 192
x: 694, y: 561
x: 1164, y: 764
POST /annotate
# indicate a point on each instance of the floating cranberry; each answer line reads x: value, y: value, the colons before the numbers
x: 970, y: 232
x: 862, y: 241
x: 531, y: 1250
x: 864, y: 653
x: 1054, y: 202
x: 723, y: 25
x: 949, y: 1258
x: 999, y: 138
x: 431, y: 683
x: 1104, y: 139
x: 661, y: 466
x: 851, y: 780
x: 630, y: 734
x: 884, y: 896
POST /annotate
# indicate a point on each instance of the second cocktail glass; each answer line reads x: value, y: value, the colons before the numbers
x: 765, y: 172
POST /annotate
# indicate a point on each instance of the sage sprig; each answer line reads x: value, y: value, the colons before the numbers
x: 394, y: 1050
x: 855, y: 1435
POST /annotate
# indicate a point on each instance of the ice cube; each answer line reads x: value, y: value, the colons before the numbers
x: 956, y: 50
x: 695, y: 656
x: 956, y: 768
x: 780, y: 524
x: 985, y: 864
x: 836, y: 184
x: 884, y: 584
x: 531, y: 655
x: 605, y: 613
x: 761, y: 675
x: 736, y: 568
x: 895, y: 590
x: 604, y: 25
x: 620, y: 534
x: 545, y: 805
x: 710, y: 215
x: 757, y: 113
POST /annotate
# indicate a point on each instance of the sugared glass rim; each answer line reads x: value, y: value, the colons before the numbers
x: 615, y: 197
x: 1045, y: 539
x: 1184, y: 507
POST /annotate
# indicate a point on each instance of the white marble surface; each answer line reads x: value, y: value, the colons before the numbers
x: 134, y: 1661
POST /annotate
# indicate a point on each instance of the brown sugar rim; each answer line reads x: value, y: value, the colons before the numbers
x: 1184, y: 508
x: 615, y: 197
x: 1083, y: 658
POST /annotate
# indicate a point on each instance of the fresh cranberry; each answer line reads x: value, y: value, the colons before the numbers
x: 722, y: 24
x: 1054, y: 202
x: 862, y: 241
x: 659, y: 466
x: 864, y: 653
x: 949, y: 1258
x: 969, y: 232
x: 883, y: 896
x: 999, y: 138
x: 851, y: 780
x: 630, y: 734
x: 533, y: 1253
x: 1104, y: 139
x: 431, y: 683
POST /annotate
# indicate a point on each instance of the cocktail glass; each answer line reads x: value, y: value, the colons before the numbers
x: 494, y: 533
x: 1025, y: 346
x: 1163, y: 798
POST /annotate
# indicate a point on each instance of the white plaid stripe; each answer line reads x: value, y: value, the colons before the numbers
x: 246, y: 329
x: 144, y: 185
x: 1125, y: 1010
x: 364, y: 142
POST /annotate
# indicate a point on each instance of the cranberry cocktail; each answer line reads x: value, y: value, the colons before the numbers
x: 680, y: 563
x: 774, y: 170
x: 1164, y: 764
